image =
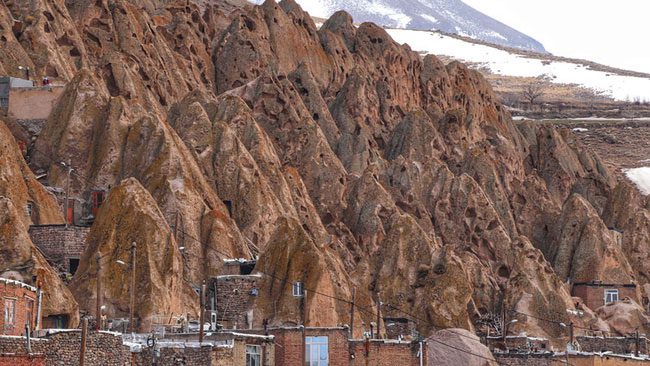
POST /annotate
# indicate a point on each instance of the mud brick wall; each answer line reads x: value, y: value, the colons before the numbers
x: 60, y: 243
x: 102, y: 349
x: 618, y: 345
x: 381, y: 353
x: 289, y: 345
x: 21, y: 295
x: 33, y: 103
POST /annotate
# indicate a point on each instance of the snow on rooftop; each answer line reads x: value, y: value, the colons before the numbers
x: 580, y: 129
x: 17, y: 283
x: 504, y: 63
x: 640, y: 177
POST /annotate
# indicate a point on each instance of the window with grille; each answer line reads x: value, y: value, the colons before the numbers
x: 253, y: 355
x: 316, y: 351
x: 298, y: 290
x: 611, y: 296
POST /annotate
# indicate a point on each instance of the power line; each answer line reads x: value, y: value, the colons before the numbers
x: 361, y: 308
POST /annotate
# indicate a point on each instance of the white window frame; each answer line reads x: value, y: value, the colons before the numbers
x: 612, y: 295
x: 9, y: 313
x: 314, y: 351
x: 298, y: 289
x: 253, y: 355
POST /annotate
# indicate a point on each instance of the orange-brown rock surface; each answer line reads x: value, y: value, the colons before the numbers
x: 130, y: 215
x: 347, y: 161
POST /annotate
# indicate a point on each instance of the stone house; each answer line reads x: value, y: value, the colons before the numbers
x: 231, y: 298
x: 595, y: 294
x: 20, y: 305
x: 61, y: 245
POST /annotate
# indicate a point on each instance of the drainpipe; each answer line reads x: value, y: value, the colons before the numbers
x: 39, y: 301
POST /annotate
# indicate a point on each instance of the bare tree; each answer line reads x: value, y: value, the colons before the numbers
x: 534, y: 91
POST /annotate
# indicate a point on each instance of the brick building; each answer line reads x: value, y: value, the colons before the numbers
x: 597, y: 293
x: 295, y: 346
x: 231, y: 300
x: 386, y: 352
x: 61, y: 245
x: 20, y: 304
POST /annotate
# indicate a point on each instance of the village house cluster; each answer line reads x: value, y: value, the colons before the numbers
x: 228, y: 334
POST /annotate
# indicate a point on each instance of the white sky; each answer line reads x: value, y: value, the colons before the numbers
x: 611, y: 32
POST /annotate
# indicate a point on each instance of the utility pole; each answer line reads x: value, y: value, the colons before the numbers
x: 84, y: 335
x: 504, y: 323
x: 132, y: 304
x: 378, y: 316
x: 67, y: 193
x: 201, y: 311
x: 98, y: 310
x: 636, y: 343
x: 354, y: 294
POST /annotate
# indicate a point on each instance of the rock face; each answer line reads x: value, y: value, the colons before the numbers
x: 130, y: 215
x: 453, y: 347
x: 22, y: 261
x: 338, y: 157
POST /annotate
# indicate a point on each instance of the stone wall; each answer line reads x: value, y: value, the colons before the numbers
x: 62, y: 348
x: 173, y: 356
x: 33, y: 103
x: 18, y: 345
x: 102, y: 349
x: 59, y: 243
x: 32, y: 126
x: 385, y: 353
x: 235, y: 295
x: 533, y: 344
x: 620, y: 345
x: 398, y: 327
x: 522, y: 359
x: 23, y: 297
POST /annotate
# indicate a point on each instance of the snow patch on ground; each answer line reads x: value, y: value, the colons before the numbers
x: 504, y: 63
x: 429, y: 18
x: 640, y: 177
x: 579, y: 129
x: 401, y: 19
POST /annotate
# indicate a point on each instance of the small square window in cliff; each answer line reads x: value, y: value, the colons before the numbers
x: 298, y: 290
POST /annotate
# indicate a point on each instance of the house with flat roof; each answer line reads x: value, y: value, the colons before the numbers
x: 595, y: 294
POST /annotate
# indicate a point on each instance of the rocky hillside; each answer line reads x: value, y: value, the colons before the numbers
x: 451, y: 16
x: 348, y: 162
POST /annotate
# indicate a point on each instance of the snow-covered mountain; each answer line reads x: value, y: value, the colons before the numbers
x: 618, y: 84
x: 451, y: 16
